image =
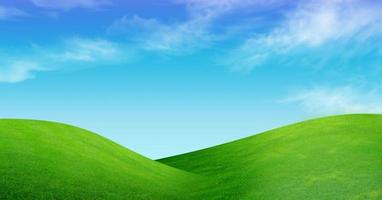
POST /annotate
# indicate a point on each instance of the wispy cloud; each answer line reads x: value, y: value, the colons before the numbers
x: 72, y: 52
x: 221, y: 7
x: 17, y: 71
x: 316, y: 23
x: 337, y: 100
x: 88, y: 50
x: 311, y: 25
x: 194, y: 33
x: 156, y: 36
x: 10, y: 12
x: 70, y: 4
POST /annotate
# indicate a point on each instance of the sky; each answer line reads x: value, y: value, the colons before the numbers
x: 172, y: 76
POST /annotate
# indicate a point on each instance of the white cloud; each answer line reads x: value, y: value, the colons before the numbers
x: 337, y: 100
x: 70, y: 4
x: 311, y: 25
x: 73, y: 52
x: 88, y: 50
x: 315, y: 23
x: 212, y: 8
x: 220, y: 7
x: 189, y: 35
x: 9, y: 12
x: 18, y: 71
x: 156, y: 36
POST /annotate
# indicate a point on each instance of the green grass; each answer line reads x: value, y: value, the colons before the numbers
x: 337, y: 157
x: 330, y: 158
x: 44, y: 160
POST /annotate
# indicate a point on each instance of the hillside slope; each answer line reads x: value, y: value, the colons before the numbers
x: 337, y: 157
x: 45, y: 160
x: 329, y: 158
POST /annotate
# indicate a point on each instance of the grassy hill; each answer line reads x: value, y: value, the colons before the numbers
x: 329, y: 158
x: 45, y: 160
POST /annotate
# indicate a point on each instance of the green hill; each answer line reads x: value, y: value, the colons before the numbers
x: 329, y: 158
x: 45, y: 160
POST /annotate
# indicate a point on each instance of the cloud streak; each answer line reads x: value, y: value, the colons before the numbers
x: 70, y: 4
x: 153, y: 35
x: 88, y: 50
x: 220, y: 7
x: 336, y: 100
x: 312, y: 25
x: 17, y: 71
x: 73, y: 52
x: 10, y: 12
x: 194, y: 33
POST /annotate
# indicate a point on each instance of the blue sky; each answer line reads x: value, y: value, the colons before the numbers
x: 168, y: 77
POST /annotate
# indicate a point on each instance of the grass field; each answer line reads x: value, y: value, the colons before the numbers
x: 330, y: 158
x: 44, y: 160
x: 336, y: 157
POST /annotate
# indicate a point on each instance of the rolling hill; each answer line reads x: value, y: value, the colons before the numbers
x: 45, y: 160
x: 337, y: 157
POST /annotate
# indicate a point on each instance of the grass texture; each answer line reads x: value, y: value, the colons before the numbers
x: 337, y: 157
